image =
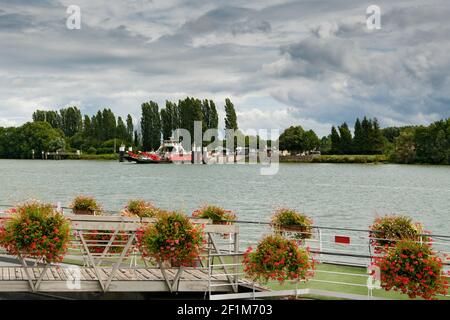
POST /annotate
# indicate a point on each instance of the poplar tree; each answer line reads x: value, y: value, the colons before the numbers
x: 150, y: 126
x: 130, y: 129
x: 335, y: 141
x: 345, y: 145
x: 121, y: 131
x: 357, y: 140
x: 71, y: 121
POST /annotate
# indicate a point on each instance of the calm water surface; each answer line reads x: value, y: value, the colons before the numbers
x: 342, y: 195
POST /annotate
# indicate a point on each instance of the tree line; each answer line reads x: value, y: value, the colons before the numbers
x: 408, y: 144
x: 68, y: 129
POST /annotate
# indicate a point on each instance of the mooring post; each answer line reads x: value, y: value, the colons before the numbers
x: 205, y: 155
x: 121, y: 153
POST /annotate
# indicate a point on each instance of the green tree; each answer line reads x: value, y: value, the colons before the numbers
x: 130, y: 128
x: 312, y: 141
x: 136, y: 140
x: 325, y: 144
x: 71, y: 121
x: 190, y: 110
x: 345, y: 145
x: 150, y: 126
x: 335, y: 141
x: 97, y: 126
x: 405, y: 147
x: 231, y: 123
x: 121, y: 131
x: 87, y: 127
x: 213, y: 116
x: 210, y: 117
x: 376, y: 139
x: 52, y: 117
x: 366, y: 133
x: 293, y: 139
x: 441, y: 148
x: 358, y: 138
x: 38, y: 136
x: 109, y: 125
x: 230, y: 115
x: 167, y: 120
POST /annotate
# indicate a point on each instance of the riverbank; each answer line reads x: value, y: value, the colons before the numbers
x: 282, y: 159
x: 335, y: 159
x: 112, y: 156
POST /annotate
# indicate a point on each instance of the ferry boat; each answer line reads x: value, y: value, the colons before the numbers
x: 170, y: 151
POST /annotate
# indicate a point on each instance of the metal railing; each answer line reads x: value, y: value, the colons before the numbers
x: 222, y: 256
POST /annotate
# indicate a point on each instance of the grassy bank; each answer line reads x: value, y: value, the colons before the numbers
x: 335, y: 159
x: 112, y: 156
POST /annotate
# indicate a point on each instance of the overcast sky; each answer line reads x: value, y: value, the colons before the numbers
x: 313, y: 63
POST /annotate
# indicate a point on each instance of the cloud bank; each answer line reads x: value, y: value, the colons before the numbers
x: 313, y: 63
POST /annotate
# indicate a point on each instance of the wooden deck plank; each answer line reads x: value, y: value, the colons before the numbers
x: 12, y: 274
x: 24, y: 274
x: 146, y: 274
x: 139, y: 275
x: 194, y: 275
x: 104, y: 273
x: 199, y: 273
x: 156, y: 272
x: 55, y: 273
x: 129, y: 274
x: 91, y: 273
x: 62, y: 274
x: 49, y: 274
x: 85, y: 275
x: 119, y: 275
x: 187, y: 275
x: 18, y: 273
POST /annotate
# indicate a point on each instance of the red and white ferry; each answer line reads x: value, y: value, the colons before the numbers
x: 170, y: 151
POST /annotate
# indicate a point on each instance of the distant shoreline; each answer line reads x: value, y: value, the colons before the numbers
x: 337, y: 159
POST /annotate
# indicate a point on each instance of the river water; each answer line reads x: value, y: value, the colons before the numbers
x: 338, y: 195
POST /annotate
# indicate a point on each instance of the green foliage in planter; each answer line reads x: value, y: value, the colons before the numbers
x: 217, y: 214
x: 387, y: 230
x: 173, y: 238
x: 141, y: 208
x: 291, y: 220
x: 277, y: 258
x: 85, y: 203
x: 36, y: 230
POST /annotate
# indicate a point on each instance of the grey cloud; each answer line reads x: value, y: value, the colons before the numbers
x: 314, y: 58
x: 251, y: 27
x: 10, y: 22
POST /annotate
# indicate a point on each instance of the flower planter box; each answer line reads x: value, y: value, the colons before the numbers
x: 83, y: 212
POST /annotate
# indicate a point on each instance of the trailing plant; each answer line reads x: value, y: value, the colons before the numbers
x: 36, y: 230
x: 172, y: 238
x: 85, y: 205
x: 413, y: 269
x: 387, y: 230
x: 277, y: 258
x: 217, y: 214
x: 141, y: 209
x: 290, y: 220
